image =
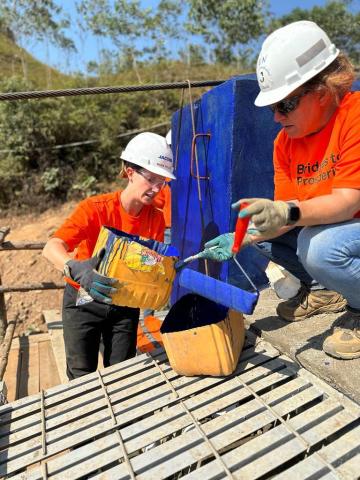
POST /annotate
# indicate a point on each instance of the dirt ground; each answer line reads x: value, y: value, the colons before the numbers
x: 28, y: 266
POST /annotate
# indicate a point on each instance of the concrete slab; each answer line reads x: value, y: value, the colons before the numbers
x: 302, y: 341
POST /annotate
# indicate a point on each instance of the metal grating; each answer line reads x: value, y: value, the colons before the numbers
x: 140, y: 420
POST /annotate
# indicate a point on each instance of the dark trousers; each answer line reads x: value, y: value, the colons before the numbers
x: 85, y: 325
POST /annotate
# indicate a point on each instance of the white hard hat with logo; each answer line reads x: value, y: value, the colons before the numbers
x: 289, y: 57
x: 152, y: 152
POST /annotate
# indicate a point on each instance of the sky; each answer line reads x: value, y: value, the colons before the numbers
x: 89, y: 46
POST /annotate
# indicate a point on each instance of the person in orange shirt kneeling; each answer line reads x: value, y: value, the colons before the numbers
x: 313, y: 227
x: 147, y: 164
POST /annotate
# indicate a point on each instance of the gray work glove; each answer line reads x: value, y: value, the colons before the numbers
x: 98, y: 286
x: 223, y: 244
x: 268, y: 216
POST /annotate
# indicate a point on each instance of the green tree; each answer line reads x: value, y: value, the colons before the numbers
x: 138, y: 33
x: 229, y: 26
x: 336, y: 18
x: 192, y: 55
x: 39, y: 20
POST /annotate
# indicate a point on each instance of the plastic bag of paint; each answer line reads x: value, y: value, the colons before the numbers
x: 143, y: 267
x: 202, y: 337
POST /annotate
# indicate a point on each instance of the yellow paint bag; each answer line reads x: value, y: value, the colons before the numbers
x: 143, y: 267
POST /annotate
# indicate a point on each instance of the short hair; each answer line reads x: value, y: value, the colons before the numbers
x: 337, y: 78
x: 127, y: 164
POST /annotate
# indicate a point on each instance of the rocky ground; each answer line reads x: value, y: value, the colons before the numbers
x: 28, y: 266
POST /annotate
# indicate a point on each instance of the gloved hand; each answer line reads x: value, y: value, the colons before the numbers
x: 223, y: 244
x: 98, y: 286
x: 268, y: 216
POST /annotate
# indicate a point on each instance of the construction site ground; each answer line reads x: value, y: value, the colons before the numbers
x: 301, y: 341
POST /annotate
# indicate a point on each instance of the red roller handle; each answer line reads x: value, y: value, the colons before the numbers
x: 240, y: 230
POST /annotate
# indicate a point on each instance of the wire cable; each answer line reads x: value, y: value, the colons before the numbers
x: 11, y: 96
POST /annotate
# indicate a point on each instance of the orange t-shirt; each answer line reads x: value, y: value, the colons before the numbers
x: 312, y: 166
x: 162, y: 201
x: 82, y: 228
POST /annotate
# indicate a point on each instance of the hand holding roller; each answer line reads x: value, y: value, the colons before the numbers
x: 240, y: 230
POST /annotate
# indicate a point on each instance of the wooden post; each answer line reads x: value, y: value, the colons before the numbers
x: 5, y: 347
x: 3, y: 316
x: 3, y: 232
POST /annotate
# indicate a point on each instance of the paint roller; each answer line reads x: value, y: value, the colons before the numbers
x: 215, y: 290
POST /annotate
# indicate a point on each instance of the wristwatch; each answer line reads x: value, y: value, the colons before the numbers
x: 293, y: 213
x: 66, y: 270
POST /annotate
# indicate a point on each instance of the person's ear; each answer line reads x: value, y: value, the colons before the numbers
x: 129, y: 173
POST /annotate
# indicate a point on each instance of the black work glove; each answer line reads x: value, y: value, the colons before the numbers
x: 98, y: 286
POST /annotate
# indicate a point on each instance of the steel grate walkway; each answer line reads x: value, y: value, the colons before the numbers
x: 140, y: 420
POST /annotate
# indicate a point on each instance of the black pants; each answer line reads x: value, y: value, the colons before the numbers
x: 85, y: 325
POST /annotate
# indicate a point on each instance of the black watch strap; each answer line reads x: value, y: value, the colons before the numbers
x: 293, y: 213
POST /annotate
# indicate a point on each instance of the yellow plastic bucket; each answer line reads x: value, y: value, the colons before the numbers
x: 143, y: 267
x: 202, y: 338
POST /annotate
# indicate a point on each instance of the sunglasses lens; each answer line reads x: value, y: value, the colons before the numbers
x: 290, y: 104
x: 286, y: 106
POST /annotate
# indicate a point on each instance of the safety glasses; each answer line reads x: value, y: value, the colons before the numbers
x: 153, y: 181
x: 289, y: 104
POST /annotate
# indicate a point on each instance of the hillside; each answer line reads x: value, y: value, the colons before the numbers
x: 12, y: 59
x: 17, y: 62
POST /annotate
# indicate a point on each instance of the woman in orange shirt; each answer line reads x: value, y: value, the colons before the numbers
x: 147, y: 163
x: 313, y: 226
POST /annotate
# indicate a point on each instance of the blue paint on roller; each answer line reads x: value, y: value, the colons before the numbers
x: 219, y: 292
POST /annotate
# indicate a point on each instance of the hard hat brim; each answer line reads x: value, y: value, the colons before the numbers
x: 160, y: 171
x: 264, y: 99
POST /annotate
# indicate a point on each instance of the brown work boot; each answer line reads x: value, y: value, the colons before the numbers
x: 307, y: 303
x: 345, y: 341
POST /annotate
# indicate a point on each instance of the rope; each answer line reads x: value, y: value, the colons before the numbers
x: 105, y: 90
x: 177, y: 143
x: 202, y: 216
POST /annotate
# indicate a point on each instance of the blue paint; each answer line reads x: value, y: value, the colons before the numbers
x: 356, y: 85
x: 237, y: 158
x: 219, y: 292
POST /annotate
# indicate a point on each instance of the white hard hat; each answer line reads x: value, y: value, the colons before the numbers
x: 150, y: 151
x: 168, y: 137
x: 289, y: 57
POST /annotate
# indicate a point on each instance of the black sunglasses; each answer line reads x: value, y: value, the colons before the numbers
x: 289, y: 104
